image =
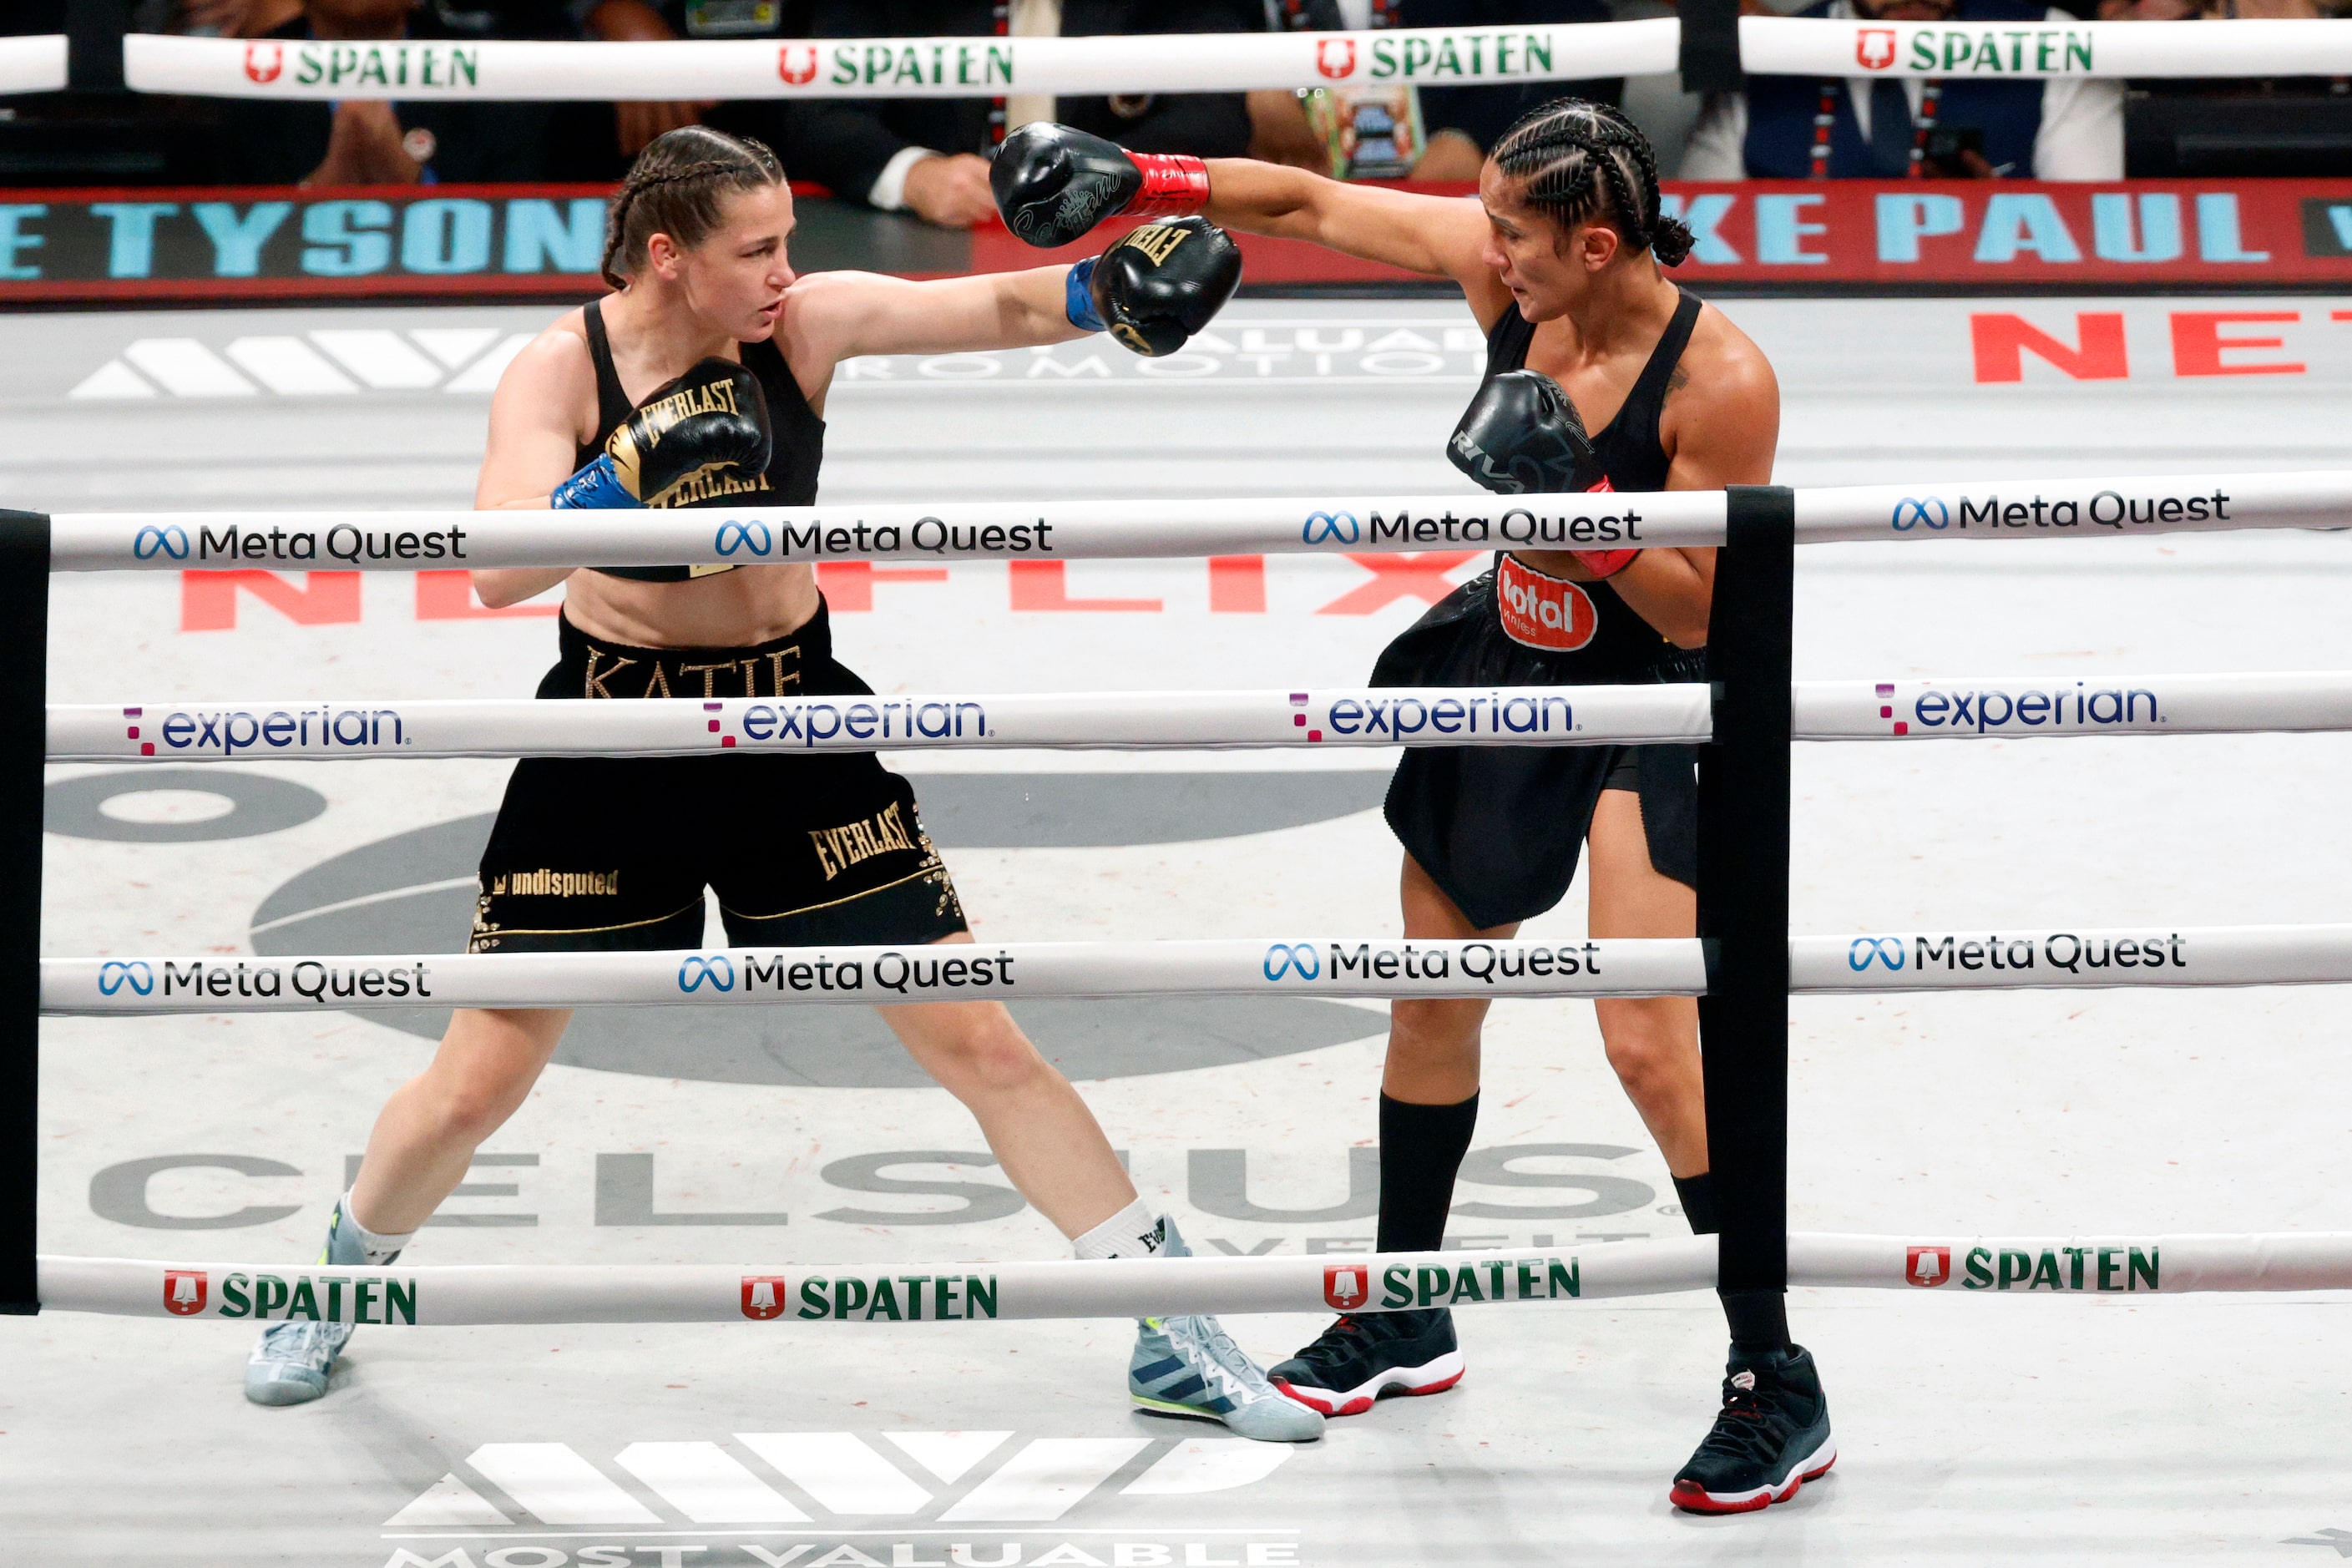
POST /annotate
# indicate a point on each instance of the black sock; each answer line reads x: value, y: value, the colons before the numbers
x: 1421, y: 1149
x: 1697, y: 1196
x: 1758, y: 1320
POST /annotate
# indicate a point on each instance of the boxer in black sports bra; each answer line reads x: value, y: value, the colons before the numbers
x: 701, y: 382
x: 1560, y: 259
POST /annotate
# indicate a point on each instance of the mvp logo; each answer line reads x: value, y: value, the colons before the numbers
x: 992, y: 1479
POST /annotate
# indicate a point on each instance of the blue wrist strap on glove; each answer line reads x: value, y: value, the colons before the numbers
x: 598, y: 485
x: 1081, y: 303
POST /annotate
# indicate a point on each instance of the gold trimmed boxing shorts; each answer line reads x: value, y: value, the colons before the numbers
x: 603, y: 854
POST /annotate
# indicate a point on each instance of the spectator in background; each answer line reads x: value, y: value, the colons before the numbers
x: 1455, y: 125
x: 373, y: 142
x: 586, y: 150
x: 929, y: 155
x: 1890, y: 127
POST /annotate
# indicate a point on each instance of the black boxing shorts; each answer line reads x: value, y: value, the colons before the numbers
x: 605, y: 854
x: 1500, y: 828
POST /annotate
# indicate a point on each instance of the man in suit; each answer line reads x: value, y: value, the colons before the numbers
x: 929, y: 155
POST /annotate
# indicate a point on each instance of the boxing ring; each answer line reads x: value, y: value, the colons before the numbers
x: 1744, y: 970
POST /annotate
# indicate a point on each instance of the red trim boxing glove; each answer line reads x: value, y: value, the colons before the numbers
x: 1603, y: 563
x: 1053, y: 185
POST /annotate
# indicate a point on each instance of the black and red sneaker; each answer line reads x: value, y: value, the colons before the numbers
x: 1773, y: 1436
x: 1369, y: 1355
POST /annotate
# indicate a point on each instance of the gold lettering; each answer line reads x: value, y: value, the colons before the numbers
x: 595, y: 687
x: 708, y: 673
x: 776, y: 658
x: 1157, y: 241
x: 660, y: 679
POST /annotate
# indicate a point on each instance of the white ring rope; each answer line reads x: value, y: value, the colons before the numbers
x: 1168, y: 527
x: 1211, y: 721
x: 32, y: 64
x: 446, y: 1295
x: 1942, y: 708
x: 1200, y: 62
x: 1350, y: 967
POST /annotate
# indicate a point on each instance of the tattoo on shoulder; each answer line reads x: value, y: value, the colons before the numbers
x: 1677, y: 380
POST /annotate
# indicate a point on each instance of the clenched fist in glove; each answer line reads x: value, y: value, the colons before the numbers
x: 1053, y: 184
x: 704, y: 434
x: 1521, y: 433
x: 1156, y: 288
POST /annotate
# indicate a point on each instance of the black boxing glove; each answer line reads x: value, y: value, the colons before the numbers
x: 1520, y: 434
x: 1053, y: 184
x: 1156, y: 288
x: 704, y: 434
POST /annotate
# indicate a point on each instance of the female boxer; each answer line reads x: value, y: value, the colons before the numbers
x: 1560, y: 259
x: 702, y: 381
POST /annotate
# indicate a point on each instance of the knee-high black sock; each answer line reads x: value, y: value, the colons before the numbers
x: 1697, y: 1196
x: 1758, y: 1319
x: 1421, y: 1149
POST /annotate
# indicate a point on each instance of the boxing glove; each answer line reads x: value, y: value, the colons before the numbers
x: 706, y: 433
x: 1160, y: 285
x: 1521, y: 433
x: 1053, y: 184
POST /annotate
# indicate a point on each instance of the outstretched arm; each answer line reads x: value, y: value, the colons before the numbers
x: 1443, y: 237
x: 835, y: 316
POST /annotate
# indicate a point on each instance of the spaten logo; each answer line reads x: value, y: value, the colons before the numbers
x: 264, y: 61
x: 112, y: 976
x: 1346, y: 1286
x: 1926, y: 1266
x: 695, y: 969
x: 796, y: 64
x: 1293, y: 957
x: 1912, y: 513
x: 169, y: 540
x: 1873, y: 48
x: 1885, y: 949
x: 763, y: 1296
x: 1335, y: 57
x: 754, y: 537
x: 183, y: 1292
x: 1340, y: 527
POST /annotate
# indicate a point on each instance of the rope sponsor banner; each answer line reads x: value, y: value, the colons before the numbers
x: 1200, y: 62
x: 2008, y: 706
x: 36, y: 63
x: 1005, y: 972
x: 2073, y: 508
x: 895, y: 67
x: 2077, y: 959
x: 1162, y: 528
x: 448, y: 1295
x: 925, y: 532
x: 1938, y: 708
x: 1208, y: 720
x: 1791, y: 46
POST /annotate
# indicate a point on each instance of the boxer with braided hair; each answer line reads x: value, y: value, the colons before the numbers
x: 1562, y: 258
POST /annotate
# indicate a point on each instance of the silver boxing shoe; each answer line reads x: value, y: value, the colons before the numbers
x: 1191, y: 1366
x: 292, y: 1361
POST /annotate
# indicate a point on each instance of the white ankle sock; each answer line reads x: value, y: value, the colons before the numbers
x: 1133, y: 1232
x: 374, y: 1246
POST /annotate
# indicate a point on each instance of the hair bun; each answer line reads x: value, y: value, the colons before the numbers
x: 1671, y: 241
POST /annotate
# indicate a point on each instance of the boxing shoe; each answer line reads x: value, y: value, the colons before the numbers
x: 1771, y: 1437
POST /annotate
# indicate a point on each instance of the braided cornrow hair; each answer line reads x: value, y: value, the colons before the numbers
x: 675, y: 188
x: 1585, y: 163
